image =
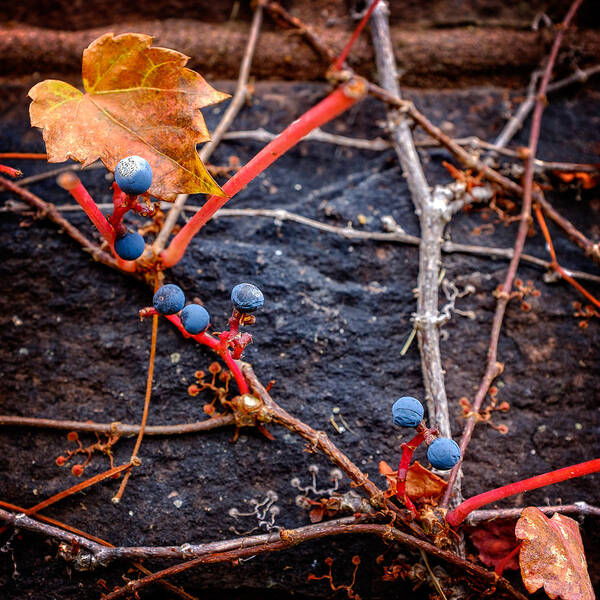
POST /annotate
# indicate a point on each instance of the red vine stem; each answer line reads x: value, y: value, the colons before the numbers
x: 70, y: 182
x: 10, y: 171
x: 458, y: 515
x: 333, y: 105
x: 339, y: 63
x: 554, y: 261
x: 408, y: 450
x: 217, y: 346
x: 493, y: 369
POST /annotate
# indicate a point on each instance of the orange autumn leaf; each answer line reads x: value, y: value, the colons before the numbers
x: 138, y: 100
x: 552, y: 556
x: 420, y: 482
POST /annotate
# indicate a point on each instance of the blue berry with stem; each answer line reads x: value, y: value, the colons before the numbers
x: 133, y: 175
x: 130, y: 245
x: 247, y: 298
x: 169, y: 299
x: 195, y: 318
x: 407, y: 412
x: 443, y: 453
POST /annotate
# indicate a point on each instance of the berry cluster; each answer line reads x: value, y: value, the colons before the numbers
x: 443, y: 453
x: 195, y: 319
x: 133, y: 176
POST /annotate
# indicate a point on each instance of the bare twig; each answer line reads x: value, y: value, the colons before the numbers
x: 396, y: 236
x: 433, y: 211
x: 117, y: 428
x: 317, y: 135
x: 578, y: 508
x: 239, y: 97
x: 493, y: 368
x: 516, y: 121
x: 49, y: 210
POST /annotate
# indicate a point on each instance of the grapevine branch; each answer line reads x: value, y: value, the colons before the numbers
x: 493, y: 369
x: 228, y: 550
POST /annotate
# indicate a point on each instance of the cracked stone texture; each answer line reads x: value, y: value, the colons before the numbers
x: 337, y: 313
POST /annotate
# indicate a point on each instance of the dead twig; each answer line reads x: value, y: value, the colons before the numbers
x: 117, y: 428
x: 577, y: 508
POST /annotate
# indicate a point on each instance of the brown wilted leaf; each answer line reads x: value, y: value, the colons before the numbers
x: 138, y: 100
x: 552, y: 556
x: 420, y: 482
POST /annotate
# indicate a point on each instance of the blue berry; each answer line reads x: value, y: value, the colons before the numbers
x: 407, y: 412
x: 247, y: 297
x: 130, y: 246
x: 169, y: 299
x: 443, y: 453
x: 195, y: 318
x: 133, y: 175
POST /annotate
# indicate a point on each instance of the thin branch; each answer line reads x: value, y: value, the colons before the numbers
x: 317, y: 135
x: 279, y: 14
x: 396, y: 236
x: 516, y: 121
x: 578, y: 508
x: 49, y: 210
x: 138, y: 442
x: 227, y: 550
x: 117, y: 428
x: 493, y: 368
x: 433, y: 213
x: 234, y: 107
x: 293, y: 537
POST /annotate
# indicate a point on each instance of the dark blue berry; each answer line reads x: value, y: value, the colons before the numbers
x: 169, y: 299
x: 247, y: 297
x: 407, y: 412
x: 195, y: 318
x: 443, y: 453
x: 130, y: 246
x: 133, y: 175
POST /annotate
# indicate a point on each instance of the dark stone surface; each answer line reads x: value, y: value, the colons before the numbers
x: 335, y: 318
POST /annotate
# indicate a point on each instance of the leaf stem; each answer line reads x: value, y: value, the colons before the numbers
x: 333, y: 105
x: 458, y: 515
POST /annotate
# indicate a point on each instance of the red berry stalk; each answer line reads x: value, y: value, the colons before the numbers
x: 73, y: 185
x: 219, y: 346
x: 408, y: 449
x: 457, y: 516
x: 336, y: 103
